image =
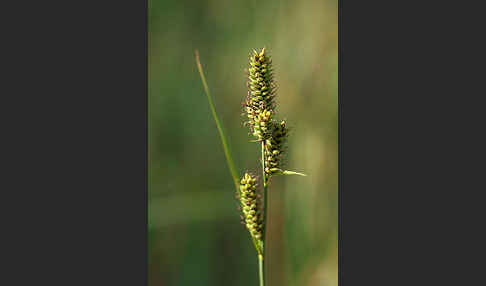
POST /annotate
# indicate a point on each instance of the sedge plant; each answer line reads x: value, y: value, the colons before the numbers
x: 271, y: 134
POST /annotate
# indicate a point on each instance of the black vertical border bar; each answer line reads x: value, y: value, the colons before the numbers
x: 408, y: 216
x: 146, y: 39
x: 76, y: 174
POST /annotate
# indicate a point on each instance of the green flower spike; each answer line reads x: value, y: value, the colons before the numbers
x: 274, y: 148
x: 261, y: 93
x: 251, y: 209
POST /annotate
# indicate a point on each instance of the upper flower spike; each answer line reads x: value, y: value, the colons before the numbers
x: 261, y: 92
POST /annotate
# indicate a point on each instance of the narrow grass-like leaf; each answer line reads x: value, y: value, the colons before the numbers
x: 292, y: 173
x: 224, y: 141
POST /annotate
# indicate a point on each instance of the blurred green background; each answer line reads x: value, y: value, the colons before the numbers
x: 195, y: 235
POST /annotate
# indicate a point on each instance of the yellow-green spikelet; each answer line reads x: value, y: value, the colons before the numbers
x: 250, y: 206
x: 259, y: 103
x: 274, y: 148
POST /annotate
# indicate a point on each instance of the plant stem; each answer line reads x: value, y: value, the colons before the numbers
x: 264, y: 193
x: 260, y: 270
x: 265, y: 189
x: 229, y: 158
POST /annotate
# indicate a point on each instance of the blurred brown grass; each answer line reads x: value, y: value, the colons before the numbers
x: 195, y: 237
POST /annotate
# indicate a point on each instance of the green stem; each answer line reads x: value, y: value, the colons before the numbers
x: 265, y: 190
x: 260, y: 270
x: 229, y: 158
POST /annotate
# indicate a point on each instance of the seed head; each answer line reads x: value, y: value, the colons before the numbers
x: 250, y: 206
x: 274, y: 148
x: 259, y: 103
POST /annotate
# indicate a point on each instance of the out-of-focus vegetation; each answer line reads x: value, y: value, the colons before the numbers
x: 195, y: 235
